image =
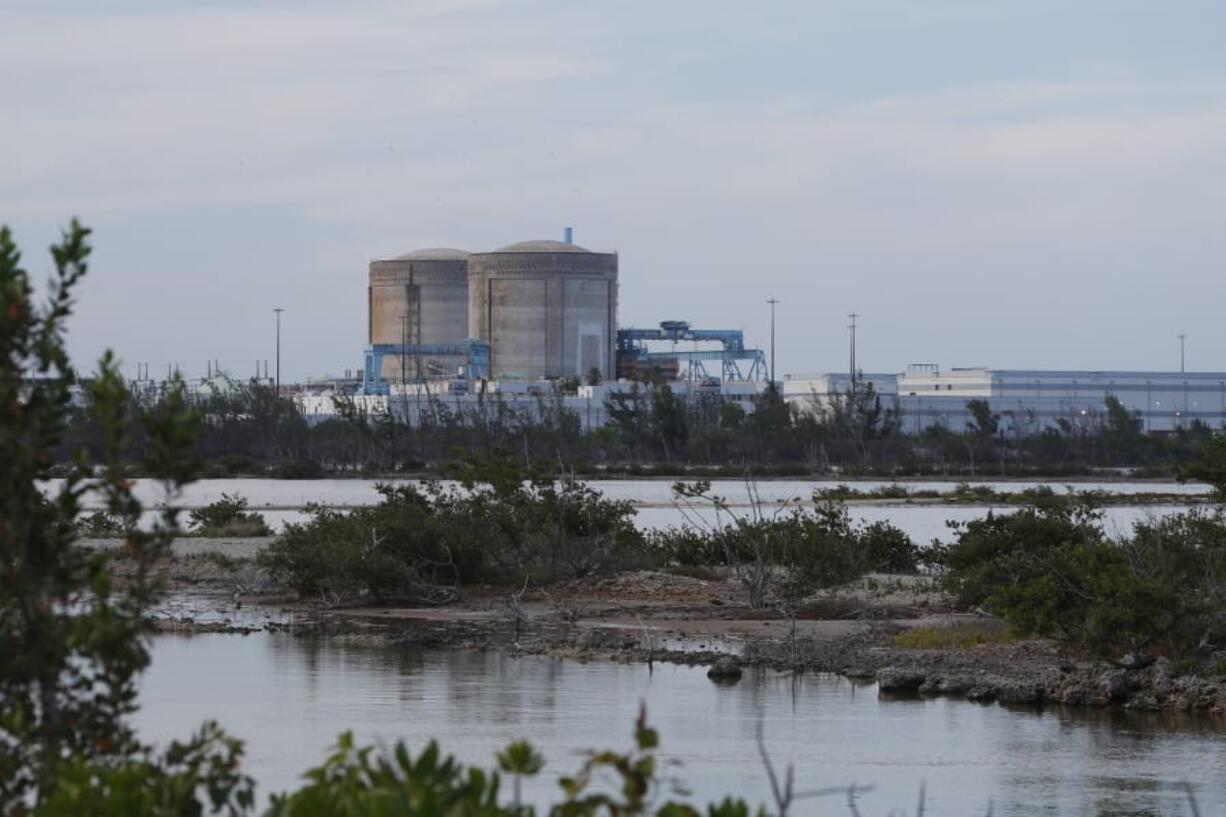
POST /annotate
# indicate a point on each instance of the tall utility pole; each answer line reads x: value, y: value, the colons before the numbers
x: 852, y: 328
x: 404, y: 340
x: 772, y: 302
x: 1182, y: 337
x: 278, y: 310
x: 417, y: 332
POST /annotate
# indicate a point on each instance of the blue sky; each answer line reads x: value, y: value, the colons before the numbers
x: 1015, y: 184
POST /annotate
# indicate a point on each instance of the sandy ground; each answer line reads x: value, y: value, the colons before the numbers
x: 234, y: 548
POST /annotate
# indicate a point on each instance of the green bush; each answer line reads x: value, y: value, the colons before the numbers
x: 198, y: 777
x: 974, y: 493
x: 998, y: 549
x: 533, y: 524
x: 1051, y: 570
x: 887, y: 549
x: 396, y: 550
x: 228, y: 516
x: 810, y: 547
x: 202, y: 777
x: 424, y: 543
x: 232, y: 465
x: 100, y: 525
x: 300, y: 468
x: 1210, y: 466
x: 892, y: 491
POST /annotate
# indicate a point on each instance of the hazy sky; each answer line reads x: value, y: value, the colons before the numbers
x: 1013, y: 184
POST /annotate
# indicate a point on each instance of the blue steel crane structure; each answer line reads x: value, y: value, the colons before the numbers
x: 736, y: 362
x: 474, y: 352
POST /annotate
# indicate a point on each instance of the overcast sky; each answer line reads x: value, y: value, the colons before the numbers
x: 1012, y: 184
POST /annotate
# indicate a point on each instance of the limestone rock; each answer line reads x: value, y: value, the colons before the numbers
x: 726, y: 669
x: 892, y: 679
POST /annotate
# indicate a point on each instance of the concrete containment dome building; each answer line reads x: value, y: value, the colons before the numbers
x: 419, y: 298
x: 547, y: 309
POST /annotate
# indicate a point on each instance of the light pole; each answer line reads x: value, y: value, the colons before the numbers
x: 852, y: 328
x: 1182, y: 337
x: 278, y: 310
x: 772, y: 302
x: 404, y: 340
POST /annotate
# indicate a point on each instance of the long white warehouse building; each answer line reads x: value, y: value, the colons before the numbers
x: 927, y: 395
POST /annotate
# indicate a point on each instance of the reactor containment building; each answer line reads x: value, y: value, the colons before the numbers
x: 534, y: 310
x: 547, y: 309
x: 529, y: 311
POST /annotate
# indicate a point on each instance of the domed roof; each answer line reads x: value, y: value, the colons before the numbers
x: 542, y: 246
x: 434, y: 254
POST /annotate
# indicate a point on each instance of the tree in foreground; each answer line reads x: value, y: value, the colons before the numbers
x: 71, y: 646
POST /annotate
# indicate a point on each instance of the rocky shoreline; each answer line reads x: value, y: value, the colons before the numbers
x: 1088, y: 684
x: 1029, y: 673
x: 653, y: 617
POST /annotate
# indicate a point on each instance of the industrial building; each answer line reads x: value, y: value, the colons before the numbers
x: 1027, y: 400
x: 420, y: 298
x: 461, y: 331
x: 530, y: 311
x: 547, y: 309
x: 506, y: 325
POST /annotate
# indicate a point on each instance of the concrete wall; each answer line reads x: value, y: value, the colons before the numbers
x: 433, y: 293
x: 545, y: 313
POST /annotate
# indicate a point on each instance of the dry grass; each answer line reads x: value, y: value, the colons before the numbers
x: 955, y: 636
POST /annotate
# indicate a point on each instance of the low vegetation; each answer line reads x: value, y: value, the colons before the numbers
x: 421, y: 544
x: 99, y: 525
x: 955, y: 635
x: 983, y: 494
x: 499, y: 524
x: 1051, y: 569
x: 228, y: 517
x: 783, y: 552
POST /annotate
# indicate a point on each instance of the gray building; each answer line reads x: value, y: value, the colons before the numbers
x: 419, y: 298
x: 1029, y: 400
x: 546, y: 308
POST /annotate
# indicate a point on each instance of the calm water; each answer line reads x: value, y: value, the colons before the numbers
x: 280, y: 501
x: 926, y: 523
x: 289, y: 697
x: 923, y: 523
x: 274, y: 493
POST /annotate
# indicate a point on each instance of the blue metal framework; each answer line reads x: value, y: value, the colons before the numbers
x: 476, y: 355
x: 736, y: 363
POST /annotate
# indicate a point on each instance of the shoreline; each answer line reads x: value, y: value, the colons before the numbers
x: 1029, y: 673
x: 723, y: 473
x: 863, y: 631
x: 853, y: 499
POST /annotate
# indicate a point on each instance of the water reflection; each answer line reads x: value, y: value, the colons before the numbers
x: 289, y: 697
